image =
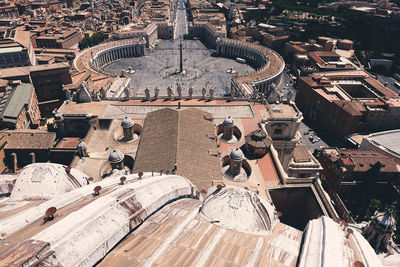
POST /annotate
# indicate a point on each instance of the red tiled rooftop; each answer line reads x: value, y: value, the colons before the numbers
x: 68, y: 143
x: 380, y: 88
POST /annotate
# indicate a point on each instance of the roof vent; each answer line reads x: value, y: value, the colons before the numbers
x: 49, y: 214
x: 97, y: 190
x: 276, y: 108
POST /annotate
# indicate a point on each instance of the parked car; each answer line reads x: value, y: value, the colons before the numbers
x: 315, y: 140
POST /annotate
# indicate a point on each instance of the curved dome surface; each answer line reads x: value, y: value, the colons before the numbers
x: 43, y: 181
x: 239, y: 209
x: 116, y: 156
x: 236, y: 154
x: 127, y: 122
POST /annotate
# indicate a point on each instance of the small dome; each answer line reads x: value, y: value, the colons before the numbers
x: 44, y: 181
x: 229, y: 122
x: 127, y: 122
x: 116, y: 156
x: 258, y: 139
x: 82, y: 145
x: 236, y: 154
x: 386, y: 219
x: 239, y: 209
x: 276, y: 108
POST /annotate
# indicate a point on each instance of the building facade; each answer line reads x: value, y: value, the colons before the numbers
x: 65, y: 39
x: 19, y: 109
x: 352, y: 167
x: 281, y: 123
x: 346, y: 102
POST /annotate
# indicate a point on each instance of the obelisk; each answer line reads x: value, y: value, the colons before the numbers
x: 181, y: 60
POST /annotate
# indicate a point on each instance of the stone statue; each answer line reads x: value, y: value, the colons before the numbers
x: 273, y: 86
x: 169, y: 92
x: 127, y: 92
x: 262, y: 98
x: 289, y: 96
x: 156, y: 92
x: 211, y: 94
x: 203, y: 92
x: 190, y: 92
x: 255, y: 94
x: 280, y: 97
x: 96, y: 96
x: 68, y: 95
x: 84, y: 94
x: 147, y: 93
x: 179, y: 90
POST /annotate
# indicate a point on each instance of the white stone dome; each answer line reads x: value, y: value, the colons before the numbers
x: 228, y: 122
x: 43, y: 181
x: 239, y: 209
x: 116, y: 156
x: 236, y: 154
x: 127, y: 122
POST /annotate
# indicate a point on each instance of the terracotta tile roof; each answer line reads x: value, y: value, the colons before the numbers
x: 68, y: 143
x: 380, y: 88
x: 301, y: 153
x: 354, y: 108
x: 363, y: 160
x: 316, y: 58
x: 30, y: 140
x: 25, y: 71
x: 172, y: 137
x: 202, y: 243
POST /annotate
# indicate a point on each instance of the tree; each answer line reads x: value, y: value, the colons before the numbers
x: 93, y: 40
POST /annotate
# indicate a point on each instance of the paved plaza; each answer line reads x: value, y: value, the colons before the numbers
x: 155, y: 70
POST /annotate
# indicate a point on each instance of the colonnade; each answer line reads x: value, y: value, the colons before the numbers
x: 247, y: 52
x: 260, y: 80
x: 124, y: 51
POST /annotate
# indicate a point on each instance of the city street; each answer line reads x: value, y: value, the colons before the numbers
x: 180, y: 22
x: 305, y: 138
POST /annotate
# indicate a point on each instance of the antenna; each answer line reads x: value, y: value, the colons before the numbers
x: 49, y: 214
x: 97, y: 190
x: 122, y: 179
x: 140, y: 174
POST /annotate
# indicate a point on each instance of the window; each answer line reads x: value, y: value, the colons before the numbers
x: 278, y: 131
